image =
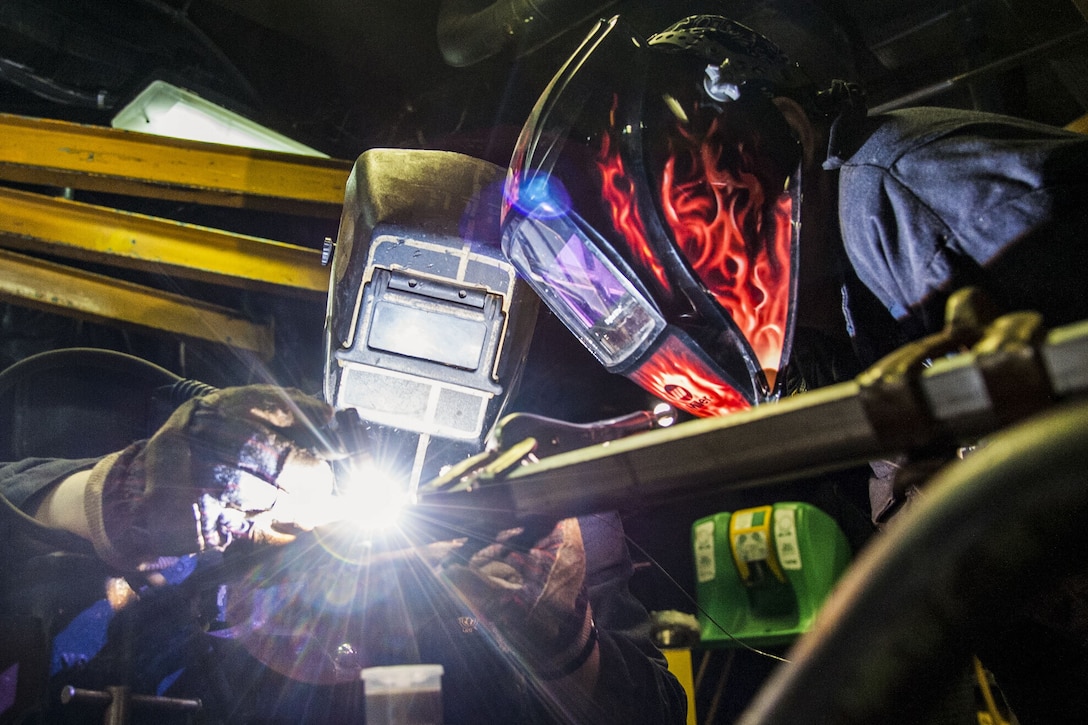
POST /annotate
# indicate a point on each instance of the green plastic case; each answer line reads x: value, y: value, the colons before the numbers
x: 791, y: 554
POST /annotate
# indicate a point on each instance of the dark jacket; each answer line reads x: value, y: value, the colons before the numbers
x: 932, y: 200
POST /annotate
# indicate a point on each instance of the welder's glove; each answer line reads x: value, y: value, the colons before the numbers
x: 534, y: 595
x: 240, y: 463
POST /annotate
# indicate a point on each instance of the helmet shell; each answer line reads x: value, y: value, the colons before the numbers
x: 668, y: 159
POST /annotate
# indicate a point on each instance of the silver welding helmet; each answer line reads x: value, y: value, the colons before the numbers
x: 653, y: 203
x: 427, y: 325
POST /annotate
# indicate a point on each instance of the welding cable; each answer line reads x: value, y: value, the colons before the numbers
x: 691, y: 600
x: 208, y: 46
x: 138, y: 372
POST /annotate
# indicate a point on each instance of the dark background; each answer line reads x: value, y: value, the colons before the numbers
x: 345, y: 76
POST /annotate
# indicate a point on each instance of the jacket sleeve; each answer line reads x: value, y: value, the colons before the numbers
x: 23, y: 481
x: 936, y: 200
x: 635, y: 685
x: 22, y: 484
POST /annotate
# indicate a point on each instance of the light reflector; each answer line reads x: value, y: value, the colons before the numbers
x: 164, y: 109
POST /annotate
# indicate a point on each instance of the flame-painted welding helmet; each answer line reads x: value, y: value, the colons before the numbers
x: 653, y: 202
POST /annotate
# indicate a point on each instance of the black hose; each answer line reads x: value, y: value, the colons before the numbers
x: 210, y: 48
x: 142, y: 372
x: 184, y: 389
x: 470, y: 31
x: 980, y: 541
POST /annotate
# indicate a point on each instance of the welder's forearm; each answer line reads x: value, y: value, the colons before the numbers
x: 578, y: 689
x: 584, y: 679
x: 64, y: 506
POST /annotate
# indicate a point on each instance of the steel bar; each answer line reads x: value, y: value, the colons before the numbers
x: 74, y: 293
x: 59, y: 227
x: 805, y: 435
x: 57, y: 153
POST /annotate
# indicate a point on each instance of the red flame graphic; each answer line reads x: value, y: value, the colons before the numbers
x: 737, y: 244
x: 618, y: 192
x: 714, y: 214
x: 678, y: 375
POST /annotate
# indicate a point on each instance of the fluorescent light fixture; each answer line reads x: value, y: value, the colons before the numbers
x: 164, y: 109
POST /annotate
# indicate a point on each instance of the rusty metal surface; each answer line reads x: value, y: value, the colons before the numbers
x: 58, y: 153
x: 73, y: 230
x: 66, y: 291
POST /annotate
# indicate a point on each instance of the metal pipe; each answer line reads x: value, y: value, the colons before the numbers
x: 893, y: 39
x: 468, y: 33
x: 824, y: 430
x: 997, y: 66
x: 1082, y: 6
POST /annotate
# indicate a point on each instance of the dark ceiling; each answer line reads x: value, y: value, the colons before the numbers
x: 346, y: 76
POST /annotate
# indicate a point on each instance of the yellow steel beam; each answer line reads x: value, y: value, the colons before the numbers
x: 1081, y: 124
x: 74, y: 293
x: 58, y: 153
x: 1082, y: 6
x: 63, y: 228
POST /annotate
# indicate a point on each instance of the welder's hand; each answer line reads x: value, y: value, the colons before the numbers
x: 534, y: 594
x: 238, y: 463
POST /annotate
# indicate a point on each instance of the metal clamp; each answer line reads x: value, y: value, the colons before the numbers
x: 120, y: 700
x: 890, y: 390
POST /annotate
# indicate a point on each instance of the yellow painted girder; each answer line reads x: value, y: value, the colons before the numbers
x: 58, y: 153
x: 74, y: 230
x: 74, y: 293
x: 1080, y: 125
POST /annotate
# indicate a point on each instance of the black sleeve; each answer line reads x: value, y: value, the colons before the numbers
x: 24, y: 480
x: 940, y: 199
x: 635, y: 685
x: 21, y: 485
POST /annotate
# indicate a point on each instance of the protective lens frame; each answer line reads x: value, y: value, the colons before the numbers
x: 565, y: 265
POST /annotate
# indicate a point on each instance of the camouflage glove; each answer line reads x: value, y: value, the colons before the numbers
x: 238, y: 463
x: 534, y: 596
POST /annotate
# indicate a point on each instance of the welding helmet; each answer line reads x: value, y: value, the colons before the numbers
x: 653, y: 203
x: 428, y: 325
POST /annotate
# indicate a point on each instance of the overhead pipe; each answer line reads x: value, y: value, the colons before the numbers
x: 469, y: 33
x: 934, y: 89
